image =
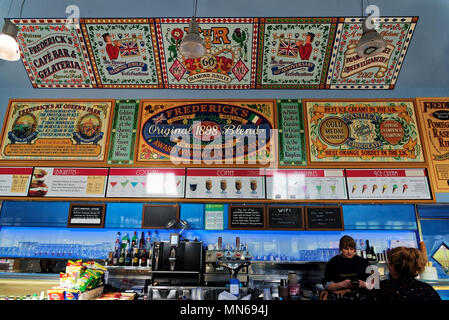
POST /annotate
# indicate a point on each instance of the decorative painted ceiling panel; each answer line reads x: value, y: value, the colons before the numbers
x: 242, y: 53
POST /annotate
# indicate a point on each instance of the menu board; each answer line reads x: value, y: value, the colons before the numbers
x: 68, y: 182
x: 158, y: 215
x: 285, y: 217
x: 434, y: 116
x: 246, y: 217
x: 226, y: 183
x: 86, y: 215
x: 388, y: 184
x: 65, y: 130
x: 123, y: 132
x: 292, y: 149
x: 146, y: 183
x: 306, y: 184
x: 324, y: 218
x: 213, y: 216
x: 14, y: 181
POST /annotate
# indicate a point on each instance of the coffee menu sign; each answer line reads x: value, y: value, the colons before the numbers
x: 359, y: 131
x: 69, y: 130
x: 388, y: 184
x: 207, y: 132
x: 14, y: 181
x: 68, y: 182
x: 146, y: 183
x: 225, y: 183
x: 53, y: 53
x: 434, y: 117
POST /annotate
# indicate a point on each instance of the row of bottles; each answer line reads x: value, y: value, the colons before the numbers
x: 367, y: 252
x: 133, y: 252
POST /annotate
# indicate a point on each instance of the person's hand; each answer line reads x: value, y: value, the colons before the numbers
x: 362, y: 284
x: 345, y: 284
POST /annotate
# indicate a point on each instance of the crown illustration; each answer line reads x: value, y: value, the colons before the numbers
x: 218, y: 60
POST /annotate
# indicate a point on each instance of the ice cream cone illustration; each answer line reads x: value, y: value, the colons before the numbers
x: 395, y: 186
x: 354, y: 187
x: 404, y: 187
x: 374, y: 188
x: 364, y: 188
x: 384, y: 188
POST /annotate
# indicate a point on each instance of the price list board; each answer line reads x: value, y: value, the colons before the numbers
x: 290, y: 184
x: 226, y: 183
x: 14, y: 181
x: 68, y: 182
x: 285, y: 217
x: 388, y: 184
x: 146, y: 183
x: 247, y: 217
x: 85, y: 215
x: 327, y: 218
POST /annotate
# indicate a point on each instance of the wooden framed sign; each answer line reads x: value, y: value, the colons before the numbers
x: 285, y: 217
x: 247, y: 217
x: 86, y: 215
x: 156, y: 216
x: 324, y: 218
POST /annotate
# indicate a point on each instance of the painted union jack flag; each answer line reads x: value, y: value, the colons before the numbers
x: 128, y: 49
x: 287, y: 49
x: 159, y: 118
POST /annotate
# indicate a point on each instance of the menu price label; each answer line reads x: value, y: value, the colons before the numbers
x: 214, y: 217
x: 15, y: 181
x: 324, y: 218
x: 86, y: 215
x: 226, y: 183
x: 410, y: 184
x: 68, y: 182
x: 247, y: 217
x: 289, y: 184
x: 146, y: 183
x: 285, y: 217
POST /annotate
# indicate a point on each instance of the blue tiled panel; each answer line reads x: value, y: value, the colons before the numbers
x: 34, y: 214
x: 433, y: 211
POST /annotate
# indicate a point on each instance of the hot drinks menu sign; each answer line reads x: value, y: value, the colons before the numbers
x: 54, y: 54
x: 355, y: 131
x: 56, y: 130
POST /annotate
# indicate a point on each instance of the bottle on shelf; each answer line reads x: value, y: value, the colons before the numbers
x: 122, y: 258
x: 128, y: 258
x: 134, y: 240
x: 373, y: 255
x: 135, y: 257
x: 369, y: 256
x: 125, y: 241
x: 156, y: 236
x: 115, y: 258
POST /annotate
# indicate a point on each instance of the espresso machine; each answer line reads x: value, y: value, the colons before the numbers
x: 225, y: 263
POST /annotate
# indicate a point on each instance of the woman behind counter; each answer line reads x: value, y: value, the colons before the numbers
x: 345, y: 267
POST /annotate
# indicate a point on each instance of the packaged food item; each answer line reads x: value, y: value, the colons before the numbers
x: 87, y: 280
x: 94, y: 265
x: 76, y: 268
x: 71, y: 294
x: 55, y: 294
x: 68, y: 280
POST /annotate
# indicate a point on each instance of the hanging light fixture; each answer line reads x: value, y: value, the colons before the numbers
x: 371, y: 43
x: 9, y: 49
x: 192, y: 45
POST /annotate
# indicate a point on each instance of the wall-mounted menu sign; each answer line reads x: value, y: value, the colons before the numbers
x: 306, y: 184
x: 86, y: 215
x: 123, y: 132
x: 292, y: 149
x: 285, y: 217
x: 14, y: 181
x: 226, y: 183
x: 213, y: 216
x: 159, y: 215
x: 324, y: 218
x: 146, y: 182
x: 388, y: 184
x: 68, y: 182
x: 246, y: 217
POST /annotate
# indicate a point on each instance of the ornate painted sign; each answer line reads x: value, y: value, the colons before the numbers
x: 207, y: 132
x: 56, y: 130
x: 230, y: 59
x: 349, y: 71
x: 53, y: 53
x: 294, y: 52
x: 352, y: 131
x: 123, y: 132
x: 122, y: 52
x: 434, y: 117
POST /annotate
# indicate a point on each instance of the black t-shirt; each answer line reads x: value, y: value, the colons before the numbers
x: 404, y: 289
x: 339, y: 269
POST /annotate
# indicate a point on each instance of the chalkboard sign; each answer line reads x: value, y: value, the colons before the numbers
x: 246, y: 217
x: 324, y: 218
x: 86, y: 215
x: 156, y: 216
x: 285, y: 217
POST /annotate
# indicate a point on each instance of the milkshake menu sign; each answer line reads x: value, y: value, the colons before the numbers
x: 53, y: 53
x: 354, y: 131
x: 207, y: 132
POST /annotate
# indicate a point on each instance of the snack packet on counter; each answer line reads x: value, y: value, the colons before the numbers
x: 68, y: 280
x: 94, y: 265
x: 87, y: 280
x: 71, y: 294
x: 55, y: 294
x: 76, y: 268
